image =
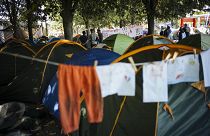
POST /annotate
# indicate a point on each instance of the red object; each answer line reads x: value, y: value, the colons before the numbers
x: 183, y: 20
x: 71, y: 81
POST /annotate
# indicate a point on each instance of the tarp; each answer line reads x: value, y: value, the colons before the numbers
x: 201, y: 41
x: 118, y: 42
x: 86, y: 58
x: 30, y: 85
x: 148, y: 40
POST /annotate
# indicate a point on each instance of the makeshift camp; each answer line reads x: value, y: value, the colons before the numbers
x: 129, y: 116
x: 148, y: 40
x: 118, y: 42
x: 11, y: 66
x: 86, y: 58
x: 29, y: 86
x: 198, y: 41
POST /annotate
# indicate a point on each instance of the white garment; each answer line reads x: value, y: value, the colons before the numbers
x: 155, y: 87
x: 117, y: 78
x: 184, y: 69
x: 205, y: 56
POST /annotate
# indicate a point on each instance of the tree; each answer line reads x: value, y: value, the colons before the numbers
x: 68, y: 9
x: 168, y: 9
x: 10, y: 9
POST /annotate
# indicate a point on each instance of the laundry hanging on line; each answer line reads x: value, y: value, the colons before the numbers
x: 205, y: 56
x: 155, y: 87
x: 183, y: 69
x: 118, y: 78
x: 92, y: 81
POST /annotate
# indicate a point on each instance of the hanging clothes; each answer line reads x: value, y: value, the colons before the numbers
x: 118, y: 78
x: 155, y: 87
x: 205, y: 56
x: 71, y: 81
x: 183, y: 69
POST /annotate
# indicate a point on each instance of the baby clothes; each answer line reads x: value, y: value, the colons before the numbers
x: 118, y: 78
x: 71, y: 81
x: 155, y: 87
x: 184, y: 69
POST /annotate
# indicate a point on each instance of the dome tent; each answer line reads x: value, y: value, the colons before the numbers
x: 118, y: 42
x: 148, y: 40
x: 87, y: 58
x: 11, y: 66
x: 30, y: 85
x: 198, y: 41
x: 128, y: 116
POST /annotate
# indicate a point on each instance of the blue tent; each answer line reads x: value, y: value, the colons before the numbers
x: 54, y: 39
x: 85, y: 58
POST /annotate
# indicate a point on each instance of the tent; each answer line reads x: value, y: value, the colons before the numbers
x: 148, y: 40
x: 198, y: 41
x: 30, y: 85
x: 88, y: 57
x: 129, y: 116
x: 11, y: 66
x: 118, y: 42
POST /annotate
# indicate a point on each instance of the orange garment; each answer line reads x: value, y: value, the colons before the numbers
x: 71, y: 81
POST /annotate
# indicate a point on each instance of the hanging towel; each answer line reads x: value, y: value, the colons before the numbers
x: 155, y: 87
x: 117, y: 78
x: 205, y: 56
x: 71, y: 81
x: 183, y: 69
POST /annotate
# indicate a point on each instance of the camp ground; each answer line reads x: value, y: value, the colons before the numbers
x: 37, y: 85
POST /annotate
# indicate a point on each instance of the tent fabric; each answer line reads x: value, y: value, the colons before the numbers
x: 191, y: 115
x: 54, y: 39
x: 138, y: 118
x: 201, y: 41
x: 118, y: 42
x: 148, y: 40
x: 30, y: 85
x: 11, y: 66
x: 85, y: 58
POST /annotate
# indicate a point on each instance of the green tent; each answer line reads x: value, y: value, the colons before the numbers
x: 200, y: 41
x: 148, y: 40
x: 119, y: 42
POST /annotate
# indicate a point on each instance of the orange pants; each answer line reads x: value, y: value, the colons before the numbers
x: 71, y: 81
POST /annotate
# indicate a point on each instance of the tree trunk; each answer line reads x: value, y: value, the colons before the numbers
x: 121, y: 23
x: 29, y: 20
x: 87, y: 26
x: 13, y: 19
x: 132, y: 19
x: 150, y: 6
x: 67, y: 16
x: 151, y: 22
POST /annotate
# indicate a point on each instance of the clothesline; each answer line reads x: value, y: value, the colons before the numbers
x: 56, y: 63
x: 29, y: 58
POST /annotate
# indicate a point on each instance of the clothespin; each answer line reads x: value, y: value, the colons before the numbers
x: 208, y: 105
x: 95, y: 63
x: 132, y: 63
x: 167, y: 57
x: 168, y: 109
x: 175, y: 56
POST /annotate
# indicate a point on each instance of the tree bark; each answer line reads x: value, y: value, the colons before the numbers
x: 151, y: 22
x: 87, y: 25
x: 67, y: 15
x: 29, y: 20
x: 150, y: 6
